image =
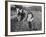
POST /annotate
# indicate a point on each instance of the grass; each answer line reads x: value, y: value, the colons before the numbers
x: 24, y: 26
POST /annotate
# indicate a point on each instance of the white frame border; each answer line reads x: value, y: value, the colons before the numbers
x: 25, y: 32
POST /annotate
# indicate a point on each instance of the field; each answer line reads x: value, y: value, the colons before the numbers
x: 24, y: 26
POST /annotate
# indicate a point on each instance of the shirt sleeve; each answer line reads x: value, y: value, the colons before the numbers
x: 31, y: 19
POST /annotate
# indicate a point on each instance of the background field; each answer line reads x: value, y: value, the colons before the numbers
x: 24, y: 26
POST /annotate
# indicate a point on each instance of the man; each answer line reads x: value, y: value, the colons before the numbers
x: 21, y: 15
x: 30, y: 19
